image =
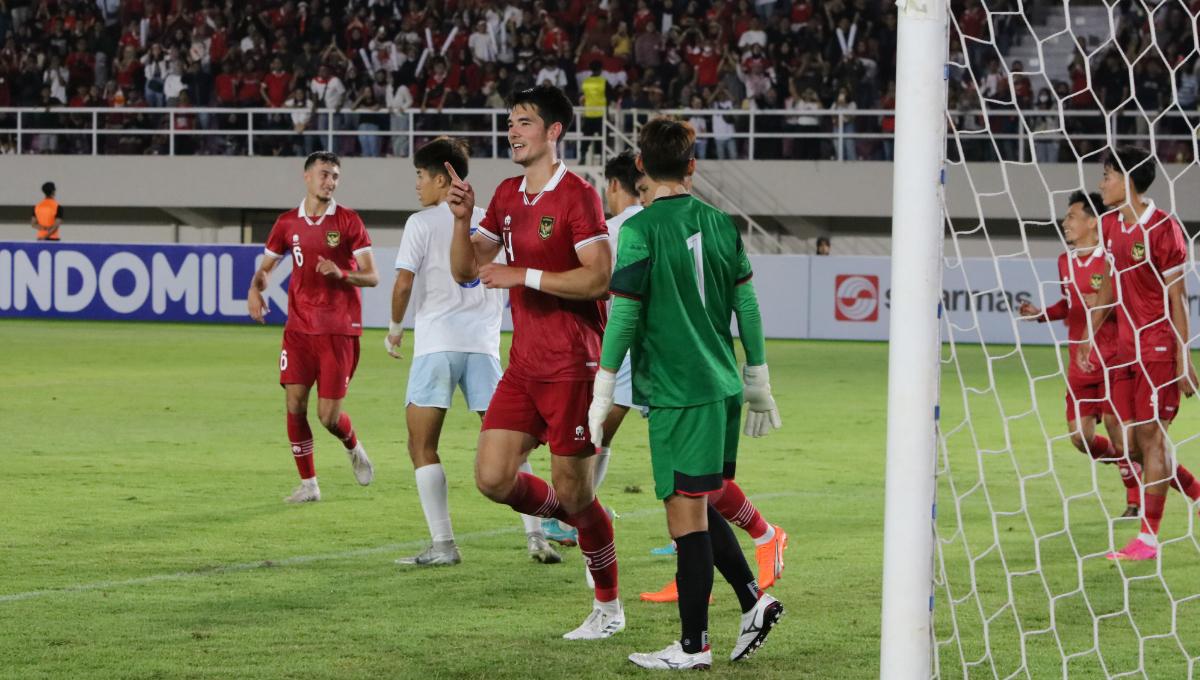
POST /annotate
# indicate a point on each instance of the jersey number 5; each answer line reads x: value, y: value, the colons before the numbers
x: 693, y: 244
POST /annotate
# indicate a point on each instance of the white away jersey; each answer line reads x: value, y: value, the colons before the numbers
x: 614, y: 227
x: 448, y: 316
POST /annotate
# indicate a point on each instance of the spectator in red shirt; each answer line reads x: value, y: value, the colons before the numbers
x: 131, y: 36
x: 707, y: 62
x: 552, y: 36
x: 226, y: 85
x: 276, y: 84
x: 250, y: 88
x: 82, y: 65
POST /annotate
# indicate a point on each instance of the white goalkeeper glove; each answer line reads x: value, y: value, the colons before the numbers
x: 763, y: 415
x: 392, y: 340
x: 602, y: 403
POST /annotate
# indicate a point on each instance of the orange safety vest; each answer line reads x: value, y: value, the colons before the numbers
x: 46, y: 213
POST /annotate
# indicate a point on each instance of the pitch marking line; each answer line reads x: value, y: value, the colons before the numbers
x: 302, y: 559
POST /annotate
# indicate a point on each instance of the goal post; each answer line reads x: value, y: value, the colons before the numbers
x: 906, y: 641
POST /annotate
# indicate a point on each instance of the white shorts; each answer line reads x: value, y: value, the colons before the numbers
x: 623, y: 393
x: 432, y: 378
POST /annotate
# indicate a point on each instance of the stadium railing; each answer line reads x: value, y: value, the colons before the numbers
x: 250, y: 131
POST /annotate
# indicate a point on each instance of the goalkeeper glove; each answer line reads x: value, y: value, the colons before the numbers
x: 756, y: 388
x: 602, y: 403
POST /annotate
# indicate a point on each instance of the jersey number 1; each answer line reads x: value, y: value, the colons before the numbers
x: 693, y: 244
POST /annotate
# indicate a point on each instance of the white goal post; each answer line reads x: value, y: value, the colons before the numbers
x: 914, y: 348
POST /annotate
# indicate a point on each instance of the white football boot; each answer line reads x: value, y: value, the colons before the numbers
x: 364, y: 472
x: 607, y: 619
x: 756, y: 624
x: 673, y: 658
x: 439, y: 553
x: 540, y: 550
x: 307, y: 492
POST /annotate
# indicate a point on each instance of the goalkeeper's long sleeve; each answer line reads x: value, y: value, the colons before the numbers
x: 745, y: 306
x: 618, y: 333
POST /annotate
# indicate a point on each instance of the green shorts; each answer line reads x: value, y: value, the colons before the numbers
x: 694, y: 449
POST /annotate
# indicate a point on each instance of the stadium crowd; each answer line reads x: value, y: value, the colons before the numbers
x: 370, y: 61
x: 397, y: 65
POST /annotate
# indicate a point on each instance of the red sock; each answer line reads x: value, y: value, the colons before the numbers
x: 596, y: 544
x: 345, y: 431
x: 302, y: 444
x: 1131, y: 475
x: 1186, y: 483
x: 737, y: 509
x: 1152, y: 513
x: 1101, y: 448
x: 533, y: 496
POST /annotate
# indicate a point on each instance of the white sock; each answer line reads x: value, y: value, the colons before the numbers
x: 767, y: 537
x: 533, y: 525
x: 310, y: 483
x: 610, y: 607
x: 601, y: 466
x: 435, y: 500
x: 1149, y: 539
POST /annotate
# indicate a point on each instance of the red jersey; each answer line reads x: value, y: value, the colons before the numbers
x: 318, y: 305
x: 554, y: 340
x: 1143, y: 255
x: 1080, y: 276
x: 277, y: 88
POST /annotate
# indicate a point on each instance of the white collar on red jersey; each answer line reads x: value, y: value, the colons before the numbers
x: 328, y: 211
x: 550, y: 186
x: 1143, y: 219
x: 1097, y: 251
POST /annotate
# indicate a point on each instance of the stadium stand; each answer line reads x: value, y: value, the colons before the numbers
x: 378, y: 63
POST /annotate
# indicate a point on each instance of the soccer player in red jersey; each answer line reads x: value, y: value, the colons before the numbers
x: 1082, y: 272
x: 551, y: 226
x: 331, y: 260
x: 1149, y: 253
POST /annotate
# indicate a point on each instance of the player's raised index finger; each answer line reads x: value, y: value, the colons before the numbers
x: 453, y: 175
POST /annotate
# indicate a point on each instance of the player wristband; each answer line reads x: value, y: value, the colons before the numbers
x: 533, y: 279
x: 395, y: 328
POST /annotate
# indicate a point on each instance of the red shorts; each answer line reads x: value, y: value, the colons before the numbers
x: 555, y: 413
x: 1087, y: 400
x: 327, y: 360
x: 1147, y: 392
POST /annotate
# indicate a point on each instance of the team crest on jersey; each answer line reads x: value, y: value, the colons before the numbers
x: 546, y: 227
x: 1139, y: 251
x: 333, y: 238
x: 507, y: 220
x: 1097, y: 279
x: 295, y: 238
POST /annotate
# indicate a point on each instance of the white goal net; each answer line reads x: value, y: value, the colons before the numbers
x: 1038, y: 95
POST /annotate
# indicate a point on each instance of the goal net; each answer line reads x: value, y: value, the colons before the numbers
x: 1037, y: 96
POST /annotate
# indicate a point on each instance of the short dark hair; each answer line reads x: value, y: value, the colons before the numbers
x: 822, y: 241
x: 323, y: 157
x: 549, y: 102
x: 595, y: 66
x: 667, y: 146
x: 1091, y: 202
x: 48, y: 188
x: 623, y: 168
x: 432, y: 157
x: 1135, y: 163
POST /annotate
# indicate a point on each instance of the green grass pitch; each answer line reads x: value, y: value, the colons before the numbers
x: 143, y: 533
